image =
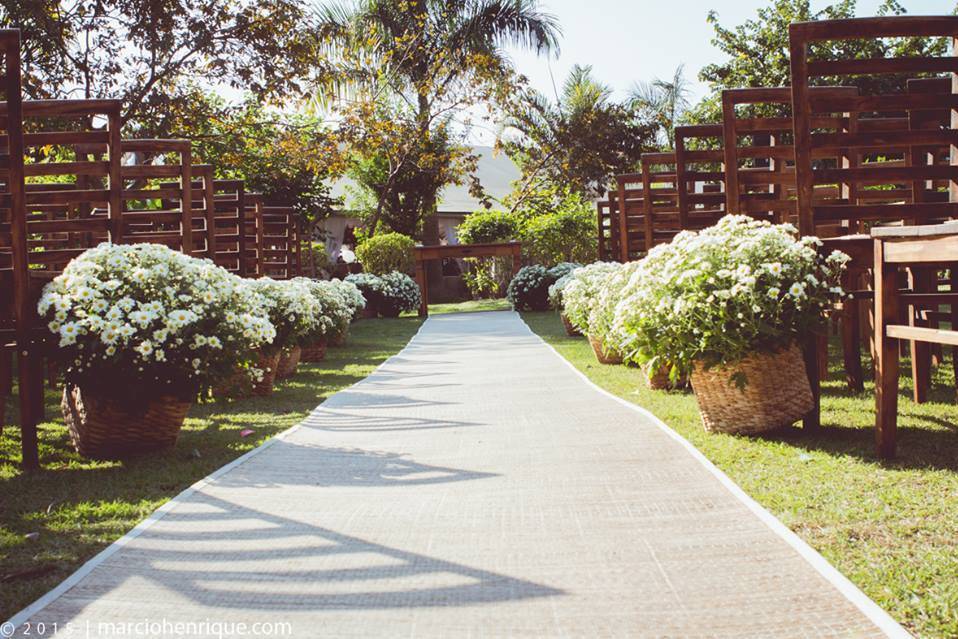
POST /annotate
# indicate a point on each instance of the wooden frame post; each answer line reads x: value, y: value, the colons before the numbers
x: 426, y: 254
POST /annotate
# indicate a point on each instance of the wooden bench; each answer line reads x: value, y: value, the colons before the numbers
x: 932, y: 246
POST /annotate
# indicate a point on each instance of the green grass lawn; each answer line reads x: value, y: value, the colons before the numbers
x: 471, y: 306
x: 890, y: 528
x: 78, y: 507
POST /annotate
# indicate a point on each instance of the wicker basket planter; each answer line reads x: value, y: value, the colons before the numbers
x: 240, y: 385
x: 570, y: 330
x: 777, y: 393
x: 315, y: 352
x: 659, y: 380
x: 336, y: 338
x: 103, y: 429
x: 288, y: 362
x: 604, y: 356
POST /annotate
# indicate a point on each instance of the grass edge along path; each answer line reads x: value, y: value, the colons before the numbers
x: 76, y: 507
x: 892, y: 529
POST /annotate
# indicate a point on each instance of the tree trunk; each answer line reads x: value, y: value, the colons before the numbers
x: 430, y: 217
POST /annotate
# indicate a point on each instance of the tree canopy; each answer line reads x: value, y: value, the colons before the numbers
x: 146, y: 52
x: 437, y: 57
x: 580, y: 140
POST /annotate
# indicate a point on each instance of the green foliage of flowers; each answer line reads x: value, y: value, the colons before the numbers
x: 399, y: 293
x: 335, y: 311
x: 581, y: 292
x: 135, y: 318
x: 716, y: 296
x: 387, y: 252
x: 292, y: 308
x: 369, y: 286
x: 351, y: 295
x: 529, y: 289
x: 389, y: 294
x: 563, y: 275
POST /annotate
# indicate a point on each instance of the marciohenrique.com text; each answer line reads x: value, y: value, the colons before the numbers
x: 207, y: 628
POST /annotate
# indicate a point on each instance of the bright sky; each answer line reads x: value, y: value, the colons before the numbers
x: 629, y: 40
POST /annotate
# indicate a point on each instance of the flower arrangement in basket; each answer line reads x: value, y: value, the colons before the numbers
x: 354, y: 303
x: 141, y: 330
x: 399, y: 293
x: 296, y: 314
x: 580, y: 299
x: 334, y: 316
x: 371, y: 288
x: 352, y: 297
x: 730, y: 306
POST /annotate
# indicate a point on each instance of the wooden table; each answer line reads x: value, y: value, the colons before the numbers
x: 438, y: 252
x: 929, y: 247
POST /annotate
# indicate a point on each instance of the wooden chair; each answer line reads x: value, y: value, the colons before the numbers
x: 157, y: 194
x: 229, y: 222
x: 660, y: 200
x: 897, y: 248
x: 280, y: 250
x: 71, y: 203
x: 14, y: 275
x: 253, y: 234
x: 630, y: 209
x: 699, y: 175
x: 607, y: 214
x: 880, y: 180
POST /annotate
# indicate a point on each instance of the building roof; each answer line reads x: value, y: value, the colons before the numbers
x: 496, y: 174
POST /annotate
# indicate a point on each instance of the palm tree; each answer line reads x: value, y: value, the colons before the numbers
x: 431, y: 54
x: 663, y: 101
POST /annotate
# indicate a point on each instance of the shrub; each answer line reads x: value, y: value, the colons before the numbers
x: 486, y: 277
x: 529, y: 289
x: 142, y: 320
x: 387, y: 252
x: 717, y: 296
x: 580, y: 295
x: 292, y: 309
x: 399, y: 293
x: 567, y: 235
x: 486, y: 227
